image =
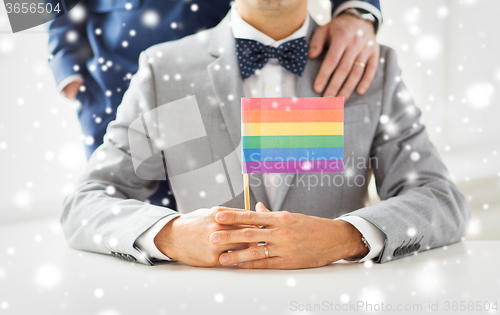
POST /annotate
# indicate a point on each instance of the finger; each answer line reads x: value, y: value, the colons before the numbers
x: 219, y: 209
x: 236, y: 247
x: 318, y: 41
x: 251, y: 253
x: 370, y: 71
x: 342, y: 71
x: 245, y: 217
x: 266, y: 263
x: 240, y: 236
x: 329, y: 64
x: 354, y: 78
x: 236, y: 227
x: 259, y: 207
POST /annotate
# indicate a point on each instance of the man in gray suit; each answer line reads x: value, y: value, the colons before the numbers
x: 316, y: 218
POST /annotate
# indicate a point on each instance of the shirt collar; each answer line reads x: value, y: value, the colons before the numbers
x: 242, y: 29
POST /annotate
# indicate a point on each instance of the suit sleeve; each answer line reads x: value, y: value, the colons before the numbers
x: 421, y: 208
x: 372, y: 6
x: 68, y: 47
x: 107, y: 212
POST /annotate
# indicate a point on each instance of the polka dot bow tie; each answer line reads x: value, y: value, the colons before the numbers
x: 253, y: 55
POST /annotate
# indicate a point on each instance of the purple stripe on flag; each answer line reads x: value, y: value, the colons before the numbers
x: 320, y: 166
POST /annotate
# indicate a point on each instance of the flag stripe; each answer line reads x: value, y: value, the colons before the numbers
x: 334, y: 166
x: 268, y: 116
x: 292, y: 129
x: 293, y: 154
x: 269, y: 142
x: 311, y: 103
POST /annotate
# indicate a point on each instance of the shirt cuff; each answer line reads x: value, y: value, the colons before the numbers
x: 68, y: 80
x: 360, y: 5
x: 146, y: 241
x: 372, y: 234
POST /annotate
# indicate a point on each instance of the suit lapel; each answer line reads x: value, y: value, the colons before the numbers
x: 304, y: 89
x: 228, y: 87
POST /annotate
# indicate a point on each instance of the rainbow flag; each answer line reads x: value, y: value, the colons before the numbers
x: 288, y: 135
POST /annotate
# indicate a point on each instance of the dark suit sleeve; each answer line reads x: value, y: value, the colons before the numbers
x: 421, y: 207
x: 64, y: 52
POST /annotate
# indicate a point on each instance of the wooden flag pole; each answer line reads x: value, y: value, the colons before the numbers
x: 246, y: 185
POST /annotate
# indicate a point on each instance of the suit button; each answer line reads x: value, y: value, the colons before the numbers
x: 411, y: 248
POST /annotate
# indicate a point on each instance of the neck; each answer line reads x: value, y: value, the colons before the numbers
x: 277, y: 23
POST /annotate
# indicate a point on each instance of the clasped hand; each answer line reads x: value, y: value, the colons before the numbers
x: 228, y: 236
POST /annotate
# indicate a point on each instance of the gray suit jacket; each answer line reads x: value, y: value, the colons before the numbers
x: 420, y: 209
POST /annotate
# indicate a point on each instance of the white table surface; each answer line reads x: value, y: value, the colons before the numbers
x: 40, y: 274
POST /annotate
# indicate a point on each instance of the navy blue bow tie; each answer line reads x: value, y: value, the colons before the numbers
x: 253, y: 55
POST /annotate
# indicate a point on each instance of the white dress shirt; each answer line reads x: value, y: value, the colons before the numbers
x: 270, y: 81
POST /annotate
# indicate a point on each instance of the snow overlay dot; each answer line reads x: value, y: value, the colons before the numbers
x: 116, y: 210
x: 48, y: 276
x: 71, y: 36
x: 150, y: 18
x: 219, y: 297
x: 77, y: 14
x: 291, y: 282
x: 384, y: 119
x: 97, y: 238
x: 110, y: 190
x: 415, y: 156
x: 428, y: 47
x: 98, y: 293
x: 220, y: 178
x: 480, y: 94
x: 411, y: 232
x: 306, y: 166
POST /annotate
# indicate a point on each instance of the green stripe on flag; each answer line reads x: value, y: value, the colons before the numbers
x: 269, y: 142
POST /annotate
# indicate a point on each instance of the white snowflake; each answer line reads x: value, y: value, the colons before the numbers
x: 480, y: 94
x: 415, y: 156
x: 150, y: 18
x: 428, y: 47
x: 48, y: 276
x: 219, y: 297
x: 77, y: 14
x: 98, y: 293
x: 71, y: 36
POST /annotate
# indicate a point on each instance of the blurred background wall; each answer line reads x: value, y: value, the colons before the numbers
x: 447, y: 49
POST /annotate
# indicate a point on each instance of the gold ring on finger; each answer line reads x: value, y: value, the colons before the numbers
x: 359, y: 63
